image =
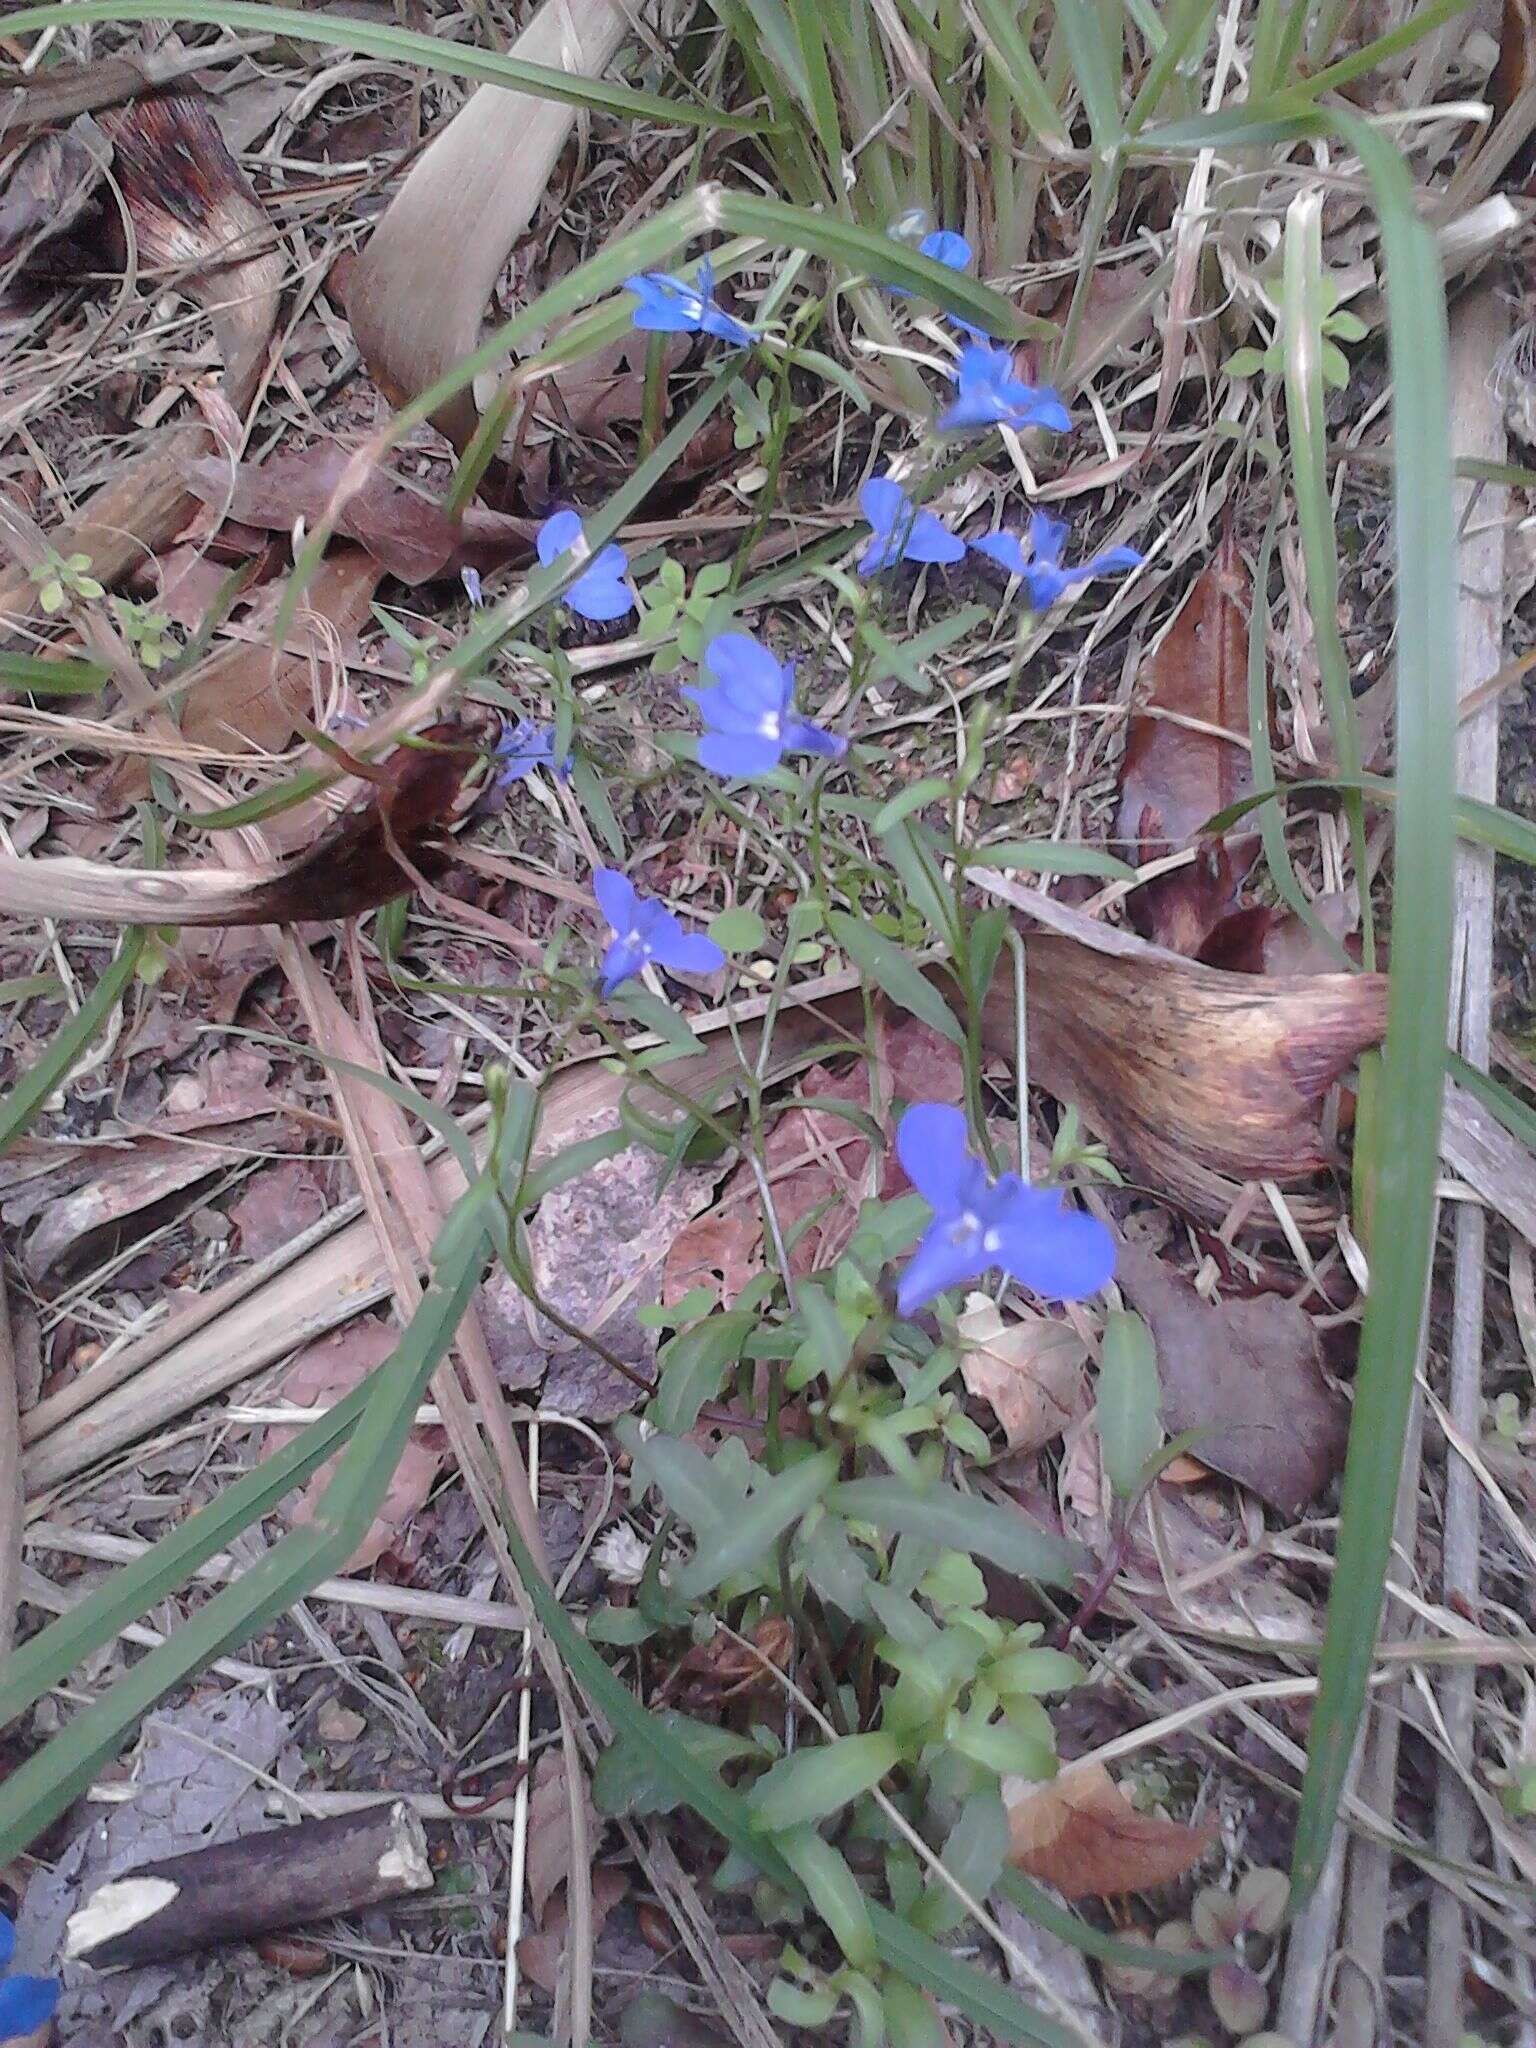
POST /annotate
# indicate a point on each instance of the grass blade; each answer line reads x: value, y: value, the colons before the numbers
x: 403, y: 46
x: 35, y: 1794
x: 68, y: 1045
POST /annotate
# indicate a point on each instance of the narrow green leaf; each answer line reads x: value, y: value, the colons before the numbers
x: 1048, y: 857
x: 893, y: 972
x: 811, y: 1783
x: 403, y: 46
x: 779, y: 1501
x: 927, y: 789
x: 1130, y: 1430
x: 69, y: 1043
x: 693, y: 1366
x: 957, y: 1521
x: 833, y: 1890
x: 67, y: 676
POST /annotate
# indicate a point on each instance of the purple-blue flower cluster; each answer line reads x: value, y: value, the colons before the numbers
x: 750, y: 720
x: 523, y: 747
x: 601, y: 592
x: 903, y: 532
x: 979, y: 1223
x: 645, y: 930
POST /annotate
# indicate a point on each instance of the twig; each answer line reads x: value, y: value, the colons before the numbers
x: 1478, y: 333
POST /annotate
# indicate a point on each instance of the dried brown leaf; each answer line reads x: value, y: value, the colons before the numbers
x: 549, y: 1829
x: 1081, y: 1834
x: 1177, y: 775
x: 407, y: 533
x: 1248, y: 1376
x: 47, y: 185
x: 1030, y: 1370
x: 721, y: 1250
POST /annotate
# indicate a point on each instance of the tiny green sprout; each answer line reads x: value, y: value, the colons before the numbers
x: 1071, y: 1149
x: 1508, y: 1417
x: 684, y: 620
x: 147, y: 631
x: 1339, y: 325
x: 61, y: 577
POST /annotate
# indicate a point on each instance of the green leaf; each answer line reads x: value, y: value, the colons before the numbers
x: 957, y: 1521
x: 827, y: 1341
x: 1003, y: 1747
x: 890, y: 969
x: 779, y: 1501
x: 811, y: 1783
x: 740, y: 930
x: 694, y: 1487
x: 1048, y: 857
x: 69, y: 1043
x: 974, y: 1854
x: 927, y: 789
x: 1035, y: 1670
x: 914, y: 853
x: 1130, y: 1429
x: 1244, y: 362
x: 405, y: 47
x: 67, y: 676
x: 693, y: 1366
x: 624, y: 1628
x: 627, y: 1780
x: 833, y: 1890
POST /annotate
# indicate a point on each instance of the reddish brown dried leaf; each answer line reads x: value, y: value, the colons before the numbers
x: 1081, y: 1834
x: 1248, y: 1375
x: 1176, y: 777
x: 721, y: 1250
x: 383, y: 846
x: 407, y: 533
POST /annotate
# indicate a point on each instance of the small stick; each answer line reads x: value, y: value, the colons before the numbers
x: 283, y: 1877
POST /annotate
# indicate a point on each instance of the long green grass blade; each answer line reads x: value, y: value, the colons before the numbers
x: 135, y: 1588
x: 404, y: 46
x: 68, y: 676
x: 1407, y: 1125
x: 35, y: 1794
x: 68, y: 1045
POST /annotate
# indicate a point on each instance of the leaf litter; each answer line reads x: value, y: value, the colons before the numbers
x: 1242, y: 1372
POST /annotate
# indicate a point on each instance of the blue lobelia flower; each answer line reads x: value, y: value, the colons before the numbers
x: 1045, y: 579
x: 602, y: 589
x: 901, y: 532
x: 942, y: 246
x: 988, y: 394
x: 671, y: 305
x: 646, y: 930
x: 523, y: 747
x: 979, y: 1223
x: 26, y: 2003
x: 749, y: 712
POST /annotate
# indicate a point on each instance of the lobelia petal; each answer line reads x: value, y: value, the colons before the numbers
x: 933, y: 1144
x: 881, y: 499
x: 1006, y: 549
x: 726, y: 713
x: 802, y: 736
x: 737, y: 658
x: 1043, y: 586
x: 690, y: 953
x: 940, y: 1262
x: 946, y: 247
x: 602, y: 593
x: 7, y: 1939
x: 623, y: 960
x: 26, y: 2003
x: 931, y: 541
x: 1047, y: 538
x: 558, y: 535
x: 1111, y: 562
x: 616, y: 898
x: 739, y: 756
x: 1057, y: 1252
